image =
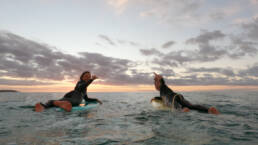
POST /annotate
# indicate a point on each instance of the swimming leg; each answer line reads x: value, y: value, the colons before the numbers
x: 213, y: 110
x: 66, y: 105
x: 39, y: 107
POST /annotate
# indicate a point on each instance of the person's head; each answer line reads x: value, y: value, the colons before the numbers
x: 85, y: 76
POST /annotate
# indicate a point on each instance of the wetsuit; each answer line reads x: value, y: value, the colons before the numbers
x: 172, y: 99
x: 74, y: 97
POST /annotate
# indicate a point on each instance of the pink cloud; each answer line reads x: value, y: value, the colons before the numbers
x: 254, y: 2
x: 119, y: 5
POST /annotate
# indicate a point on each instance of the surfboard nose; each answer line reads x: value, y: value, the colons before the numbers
x: 158, y: 104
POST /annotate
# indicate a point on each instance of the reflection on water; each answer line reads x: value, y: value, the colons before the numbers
x: 128, y: 118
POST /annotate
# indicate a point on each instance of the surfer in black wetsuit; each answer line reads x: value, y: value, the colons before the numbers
x: 72, y: 98
x: 175, y: 100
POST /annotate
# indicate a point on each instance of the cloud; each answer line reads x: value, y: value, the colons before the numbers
x: 214, y: 45
x: 206, y: 37
x: 210, y: 46
x: 23, y: 58
x: 217, y: 15
x: 227, y: 72
x: 242, y: 48
x: 209, y: 79
x: 164, y: 62
x: 107, y: 39
x: 205, y: 52
x: 215, y: 76
x: 132, y: 43
x: 168, y: 44
x: 184, y: 12
x: 191, y: 13
x: 23, y: 82
x: 165, y: 71
x: 251, y: 71
x: 119, y: 5
x: 226, y: 11
x: 31, y: 63
x: 251, y: 29
x: 150, y: 52
x: 169, y: 59
x: 204, y: 80
x: 179, y: 57
x: 255, y: 2
x: 172, y: 11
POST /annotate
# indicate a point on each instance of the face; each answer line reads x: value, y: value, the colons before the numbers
x: 86, y: 76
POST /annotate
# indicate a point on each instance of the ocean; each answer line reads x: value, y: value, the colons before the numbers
x: 129, y: 118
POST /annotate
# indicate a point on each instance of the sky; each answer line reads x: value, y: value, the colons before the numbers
x: 194, y: 44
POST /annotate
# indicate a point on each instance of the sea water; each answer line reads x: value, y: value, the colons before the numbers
x: 129, y: 118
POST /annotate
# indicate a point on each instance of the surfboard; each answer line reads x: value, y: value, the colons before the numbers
x: 158, y: 104
x: 81, y: 107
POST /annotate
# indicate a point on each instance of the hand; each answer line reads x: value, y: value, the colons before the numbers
x: 99, y: 102
x: 94, y: 77
x: 213, y: 110
x: 157, y: 81
x: 157, y: 77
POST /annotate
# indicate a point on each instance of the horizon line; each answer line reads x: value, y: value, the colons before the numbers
x: 128, y: 88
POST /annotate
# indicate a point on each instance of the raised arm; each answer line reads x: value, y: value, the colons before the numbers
x: 88, y: 82
x: 81, y: 85
x: 165, y: 92
x: 161, y: 86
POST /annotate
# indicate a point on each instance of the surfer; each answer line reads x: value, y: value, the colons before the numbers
x: 74, y: 97
x: 174, y: 100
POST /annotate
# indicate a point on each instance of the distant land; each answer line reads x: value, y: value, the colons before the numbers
x: 8, y: 91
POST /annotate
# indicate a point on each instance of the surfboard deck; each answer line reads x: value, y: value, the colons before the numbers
x: 82, y: 107
x: 158, y: 104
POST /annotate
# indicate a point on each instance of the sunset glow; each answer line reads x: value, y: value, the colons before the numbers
x: 196, y: 45
x: 112, y: 88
